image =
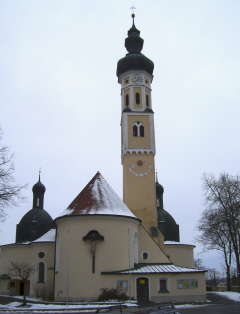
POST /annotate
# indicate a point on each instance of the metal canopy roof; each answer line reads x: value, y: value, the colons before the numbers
x: 155, y: 268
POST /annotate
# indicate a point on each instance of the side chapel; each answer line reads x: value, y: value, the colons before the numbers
x: 100, y: 241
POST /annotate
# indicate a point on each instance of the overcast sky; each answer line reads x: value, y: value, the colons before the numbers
x: 61, y: 108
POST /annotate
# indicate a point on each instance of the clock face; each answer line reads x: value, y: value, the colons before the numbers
x: 140, y: 163
x: 137, y: 79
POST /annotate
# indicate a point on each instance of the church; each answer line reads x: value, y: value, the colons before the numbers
x: 100, y: 241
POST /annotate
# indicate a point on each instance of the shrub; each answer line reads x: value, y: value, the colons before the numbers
x: 44, y: 292
x: 112, y: 294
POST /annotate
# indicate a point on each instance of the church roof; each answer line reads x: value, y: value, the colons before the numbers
x: 178, y: 244
x: 35, y: 218
x: 97, y: 198
x: 47, y: 237
x: 4, y: 276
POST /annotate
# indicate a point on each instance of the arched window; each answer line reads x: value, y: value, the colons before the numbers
x: 138, y: 129
x: 137, y: 95
x: 127, y: 100
x: 41, y: 272
x: 135, y: 130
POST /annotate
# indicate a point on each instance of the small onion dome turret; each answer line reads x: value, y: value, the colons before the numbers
x: 134, y: 43
x: 36, y: 222
x: 166, y: 223
x: 134, y: 60
x: 159, y: 189
x: 39, y: 188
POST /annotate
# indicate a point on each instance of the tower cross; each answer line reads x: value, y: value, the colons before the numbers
x: 132, y: 8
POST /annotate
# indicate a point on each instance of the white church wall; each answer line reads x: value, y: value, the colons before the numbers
x: 75, y: 276
x: 180, y: 254
x: 148, y: 245
x: 180, y: 288
x: 14, y: 253
x: 42, y: 253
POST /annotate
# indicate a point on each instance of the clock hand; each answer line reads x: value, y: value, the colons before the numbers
x: 136, y: 78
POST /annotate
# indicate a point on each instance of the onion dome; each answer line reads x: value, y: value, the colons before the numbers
x: 134, y: 43
x: 36, y: 222
x: 38, y: 187
x: 166, y: 223
x: 38, y: 194
x: 168, y: 226
x: 134, y: 60
x: 159, y: 189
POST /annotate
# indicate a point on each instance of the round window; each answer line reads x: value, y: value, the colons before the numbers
x: 41, y: 255
x: 145, y: 255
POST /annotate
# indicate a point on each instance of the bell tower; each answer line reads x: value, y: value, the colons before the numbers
x: 135, y: 74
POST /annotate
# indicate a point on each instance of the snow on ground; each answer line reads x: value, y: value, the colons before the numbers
x: 235, y: 296
x: 47, y: 307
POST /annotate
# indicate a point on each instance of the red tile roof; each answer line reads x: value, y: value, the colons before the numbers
x: 97, y: 198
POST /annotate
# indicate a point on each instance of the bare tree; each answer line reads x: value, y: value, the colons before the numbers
x: 22, y: 270
x: 198, y: 264
x: 212, y: 277
x: 10, y: 193
x: 214, y: 236
x: 220, y: 221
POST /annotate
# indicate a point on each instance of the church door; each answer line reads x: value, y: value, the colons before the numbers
x: 142, y: 289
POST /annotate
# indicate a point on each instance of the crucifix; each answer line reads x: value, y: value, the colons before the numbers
x: 93, y: 236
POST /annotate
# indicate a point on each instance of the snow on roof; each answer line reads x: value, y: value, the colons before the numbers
x: 47, y: 237
x: 177, y: 243
x: 97, y: 198
x: 152, y: 269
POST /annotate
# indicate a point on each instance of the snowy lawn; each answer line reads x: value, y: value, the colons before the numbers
x: 235, y: 296
x: 85, y: 307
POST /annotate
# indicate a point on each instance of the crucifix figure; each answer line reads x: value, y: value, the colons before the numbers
x: 93, y: 236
